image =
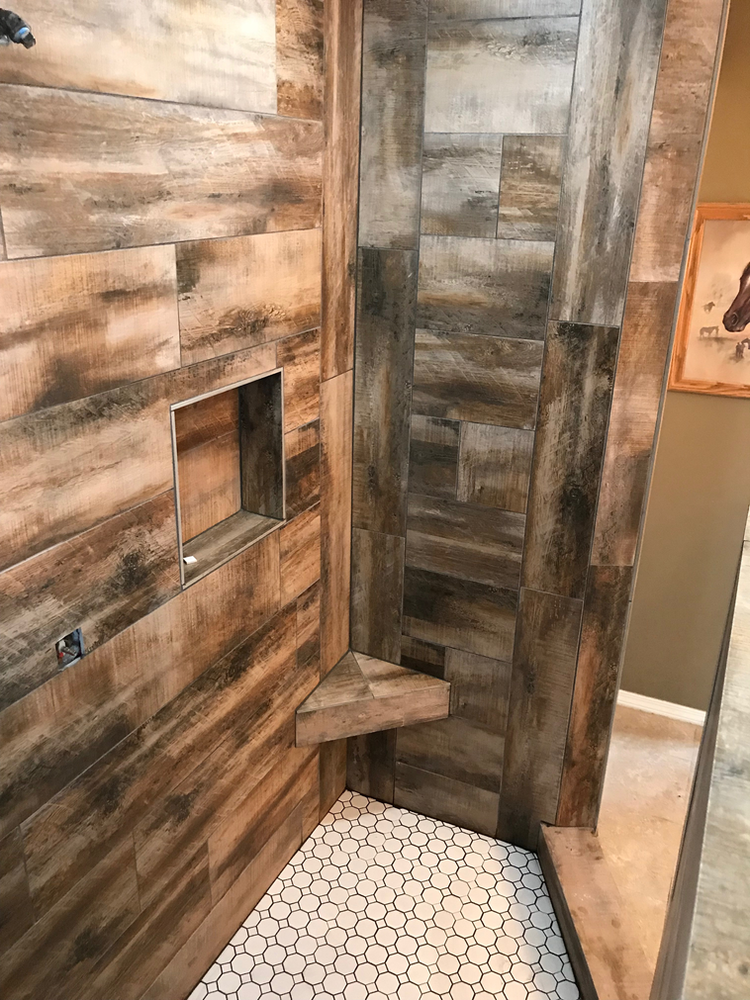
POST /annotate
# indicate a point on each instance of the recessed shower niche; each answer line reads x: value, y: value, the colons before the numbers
x: 228, y: 449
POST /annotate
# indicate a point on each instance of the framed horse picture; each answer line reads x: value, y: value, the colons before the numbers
x: 712, y: 344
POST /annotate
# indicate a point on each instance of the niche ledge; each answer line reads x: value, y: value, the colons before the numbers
x: 362, y: 694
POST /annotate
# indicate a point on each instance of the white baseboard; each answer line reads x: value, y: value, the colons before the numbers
x: 657, y: 707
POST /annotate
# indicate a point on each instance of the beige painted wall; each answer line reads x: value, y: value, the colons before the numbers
x: 701, y: 485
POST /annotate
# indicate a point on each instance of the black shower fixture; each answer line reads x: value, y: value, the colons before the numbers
x: 14, y: 29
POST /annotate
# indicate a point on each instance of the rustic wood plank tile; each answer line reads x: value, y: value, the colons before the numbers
x: 455, y: 748
x: 302, y: 451
x: 574, y: 408
x: 544, y: 666
x: 462, y: 10
x: 16, y: 911
x: 450, y: 612
x: 605, y: 613
x: 498, y: 288
x: 299, y: 549
x: 641, y: 362
x: 101, y: 582
x: 335, y: 513
x: 485, y: 379
x: 246, y: 290
x: 618, y: 56
x: 460, y: 184
x: 223, y: 541
x: 343, y: 81
x: 465, y: 541
x: 377, y: 586
x: 175, y: 56
x: 370, y: 764
x: 308, y: 628
x: 529, y: 60
x: 433, y: 456
x: 384, y: 350
x: 332, y: 763
x: 530, y: 187
x: 261, y: 407
x: 425, y: 657
x: 494, y: 466
x: 299, y: 356
x: 78, y: 325
x: 393, y: 62
x: 60, y: 729
x: 480, y: 688
x: 75, y: 176
x: 345, y: 685
x: 446, y: 799
x: 299, y: 58
x: 58, y: 462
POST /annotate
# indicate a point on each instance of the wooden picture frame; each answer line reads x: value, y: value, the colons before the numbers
x: 704, y: 348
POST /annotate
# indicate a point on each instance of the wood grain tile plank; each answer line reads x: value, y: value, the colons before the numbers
x: 335, y: 513
x: 497, y: 288
x: 465, y: 541
x: 299, y: 356
x: 486, y: 379
x: 299, y: 58
x: 461, y: 10
x: 223, y: 541
x: 455, y: 748
x: 261, y: 451
x: 480, y: 688
x: 425, y: 657
x: 494, y: 466
x: 308, y: 628
x: 370, y: 764
x: 91, y: 172
x: 246, y: 290
x: 332, y: 774
x: 569, y: 449
x: 393, y: 62
x: 470, y: 616
x: 446, y: 799
x: 16, y: 911
x: 344, y: 685
x: 544, y: 664
x: 302, y: 454
x: 530, y: 187
x: 101, y: 582
x: 529, y: 60
x: 299, y: 549
x: 460, y: 184
x: 377, y: 587
x: 618, y: 57
x: 433, y: 456
x: 384, y: 359
x: 167, y: 52
x: 78, y: 325
x: 343, y: 82
x: 60, y: 729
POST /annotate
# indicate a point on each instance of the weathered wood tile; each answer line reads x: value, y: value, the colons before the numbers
x: 393, y: 62
x: 569, y: 448
x: 59, y: 462
x: 433, y: 456
x: 299, y: 549
x: 425, y: 657
x: 246, y: 290
x: 74, y: 326
x: 445, y: 798
x: 458, y: 613
x: 377, y: 587
x: 61, y: 728
x: 386, y: 309
x: 175, y: 56
x: 370, y: 764
x: 299, y: 356
x: 465, y: 541
x: 261, y: 407
x: 335, y: 513
x: 460, y: 184
x: 530, y: 187
x: 527, y: 60
x: 485, y: 379
x: 480, y: 688
x: 207, y: 439
x: 223, y: 541
x: 455, y: 748
x: 16, y: 911
x: 332, y: 774
x: 345, y: 684
x: 618, y: 56
x: 493, y: 287
x: 343, y: 81
x: 101, y: 582
x: 605, y: 613
x: 462, y: 10
x: 299, y: 58
x: 494, y: 466
x: 641, y: 362
x: 302, y: 453
x: 77, y: 173
x: 544, y: 665
x: 308, y: 628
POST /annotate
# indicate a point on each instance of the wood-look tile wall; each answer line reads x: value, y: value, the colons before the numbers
x: 479, y: 442
x: 165, y: 207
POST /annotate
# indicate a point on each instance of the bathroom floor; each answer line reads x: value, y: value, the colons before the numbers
x: 381, y: 902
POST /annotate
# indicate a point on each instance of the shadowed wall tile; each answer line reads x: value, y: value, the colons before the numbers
x: 377, y: 582
x: 495, y: 466
x: 452, y: 10
x: 460, y: 183
x: 480, y: 688
x: 530, y: 187
x: 433, y: 456
x: 425, y: 657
